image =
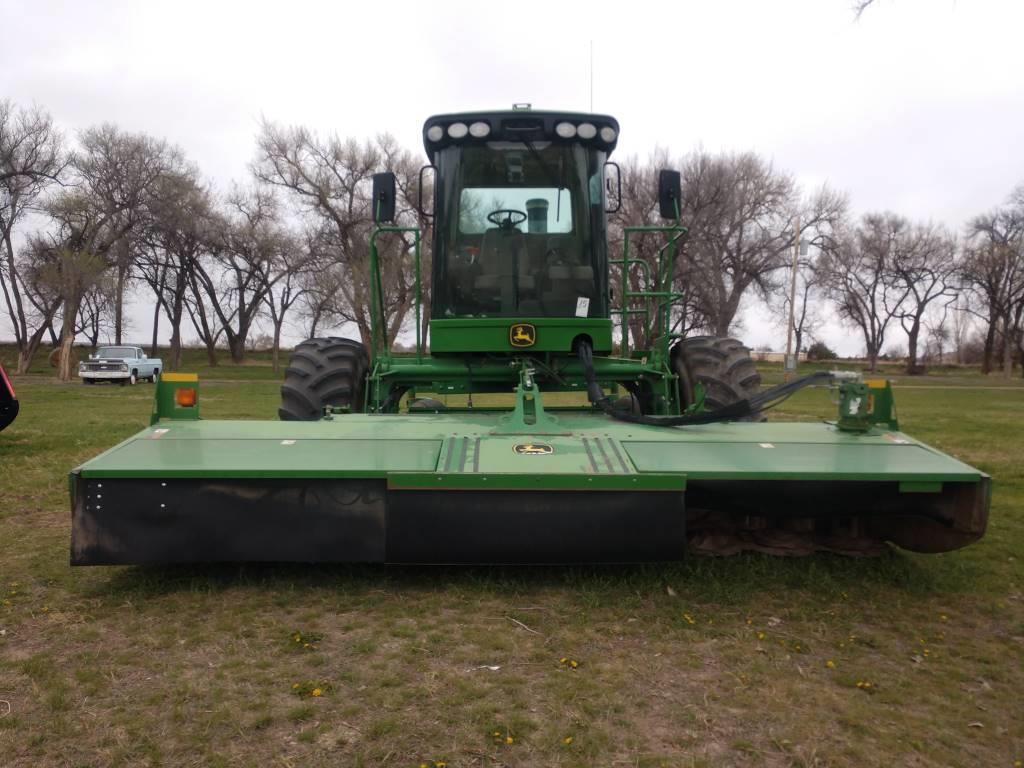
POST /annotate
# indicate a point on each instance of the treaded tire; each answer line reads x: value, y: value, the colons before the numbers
x: 722, y: 366
x: 322, y: 372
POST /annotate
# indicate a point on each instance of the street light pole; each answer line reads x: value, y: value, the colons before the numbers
x: 789, y: 364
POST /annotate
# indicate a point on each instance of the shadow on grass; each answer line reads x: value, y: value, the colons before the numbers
x: 723, y: 580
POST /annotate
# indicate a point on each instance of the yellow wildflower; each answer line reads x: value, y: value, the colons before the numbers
x: 830, y: 664
x: 567, y: 740
x: 760, y: 635
x: 295, y: 687
x: 316, y: 692
x: 509, y: 739
x: 574, y: 663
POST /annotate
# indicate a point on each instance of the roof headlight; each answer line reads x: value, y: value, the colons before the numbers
x: 479, y: 129
x: 587, y: 130
x: 565, y: 130
x: 608, y: 134
x: 458, y: 130
x: 435, y: 133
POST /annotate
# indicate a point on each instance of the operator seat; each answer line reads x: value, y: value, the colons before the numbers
x: 500, y: 250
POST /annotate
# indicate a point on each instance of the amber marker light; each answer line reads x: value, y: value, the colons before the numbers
x: 185, y: 397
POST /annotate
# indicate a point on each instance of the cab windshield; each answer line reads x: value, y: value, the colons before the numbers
x: 519, y: 226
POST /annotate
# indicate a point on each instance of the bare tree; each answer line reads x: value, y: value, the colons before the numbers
x: 96, y: 311
x: 994, y: 273
x: 859, y: 6
x: 810, y: 295
x: 32, y: 158
x: 742, y: 215
x: 120, y: 170
x: 939, y: 333
x: 329, y: 180
x: 858, y: 274
x: 176, y: 236
x: 961, y: 327
x: 924, y: 267
x: 285, y: 284
x: 240, y: 270
x: 639, y: 208
x: 319, y: 295
x: 114, y: 174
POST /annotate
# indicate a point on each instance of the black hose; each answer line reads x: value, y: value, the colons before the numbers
x: 732, y: 412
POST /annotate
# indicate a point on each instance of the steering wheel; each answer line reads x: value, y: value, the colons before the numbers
x: 511, y: 218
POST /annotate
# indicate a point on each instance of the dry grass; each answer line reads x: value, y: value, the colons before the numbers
x: 710, y: 662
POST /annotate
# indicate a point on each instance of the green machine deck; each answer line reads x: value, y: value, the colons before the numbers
x: 456, y: 488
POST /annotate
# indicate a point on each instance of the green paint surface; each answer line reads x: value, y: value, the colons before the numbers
x: 491, y: 334
x: 368, y: 445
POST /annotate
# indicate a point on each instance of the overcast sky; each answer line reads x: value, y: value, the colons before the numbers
x: 918, y: 107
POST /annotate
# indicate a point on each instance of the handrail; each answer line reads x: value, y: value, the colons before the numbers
x: 377, y: 291
x: 664, y: 272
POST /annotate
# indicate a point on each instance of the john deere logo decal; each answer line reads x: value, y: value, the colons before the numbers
x: 522, y: 335
x: 533, y: 449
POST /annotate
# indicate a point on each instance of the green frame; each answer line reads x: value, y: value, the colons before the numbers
x: 449, y: 368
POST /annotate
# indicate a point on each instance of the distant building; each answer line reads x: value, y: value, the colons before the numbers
x: 774, y: 357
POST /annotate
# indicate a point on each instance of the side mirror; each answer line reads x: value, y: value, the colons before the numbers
x: 670, y: 194
x: 616, y: 198
x: 383, y: 197
x: 419, y: 190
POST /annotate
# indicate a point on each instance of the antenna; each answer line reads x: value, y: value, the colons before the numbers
x: 591, y: 75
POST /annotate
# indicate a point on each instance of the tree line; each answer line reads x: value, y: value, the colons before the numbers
x: 86, y: 221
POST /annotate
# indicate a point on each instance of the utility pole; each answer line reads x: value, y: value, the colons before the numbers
x: 789, y: 364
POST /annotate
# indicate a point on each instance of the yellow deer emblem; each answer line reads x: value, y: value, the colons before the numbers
x: 533, y: 449
x: 522, y: 335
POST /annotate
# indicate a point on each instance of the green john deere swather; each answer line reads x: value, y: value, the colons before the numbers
x: 364, y: 466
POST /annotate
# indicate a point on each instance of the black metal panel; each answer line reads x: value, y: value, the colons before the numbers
x: 145, y: 521
x: 535, y: 527
x: 142, y: 521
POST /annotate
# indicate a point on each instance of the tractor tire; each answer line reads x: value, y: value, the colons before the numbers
x: 323, y: 372
x: 722, y: 366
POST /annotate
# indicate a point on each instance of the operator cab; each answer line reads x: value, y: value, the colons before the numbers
x: 519, y: 205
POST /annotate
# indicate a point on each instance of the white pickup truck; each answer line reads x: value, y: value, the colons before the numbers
x: 122, y: 364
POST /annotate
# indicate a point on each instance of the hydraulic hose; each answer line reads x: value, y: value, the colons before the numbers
x: 732, y: 412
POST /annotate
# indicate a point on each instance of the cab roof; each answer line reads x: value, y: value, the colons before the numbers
x: 517, y: 125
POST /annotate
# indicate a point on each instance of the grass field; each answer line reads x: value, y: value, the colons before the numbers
x: 819, y: 661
